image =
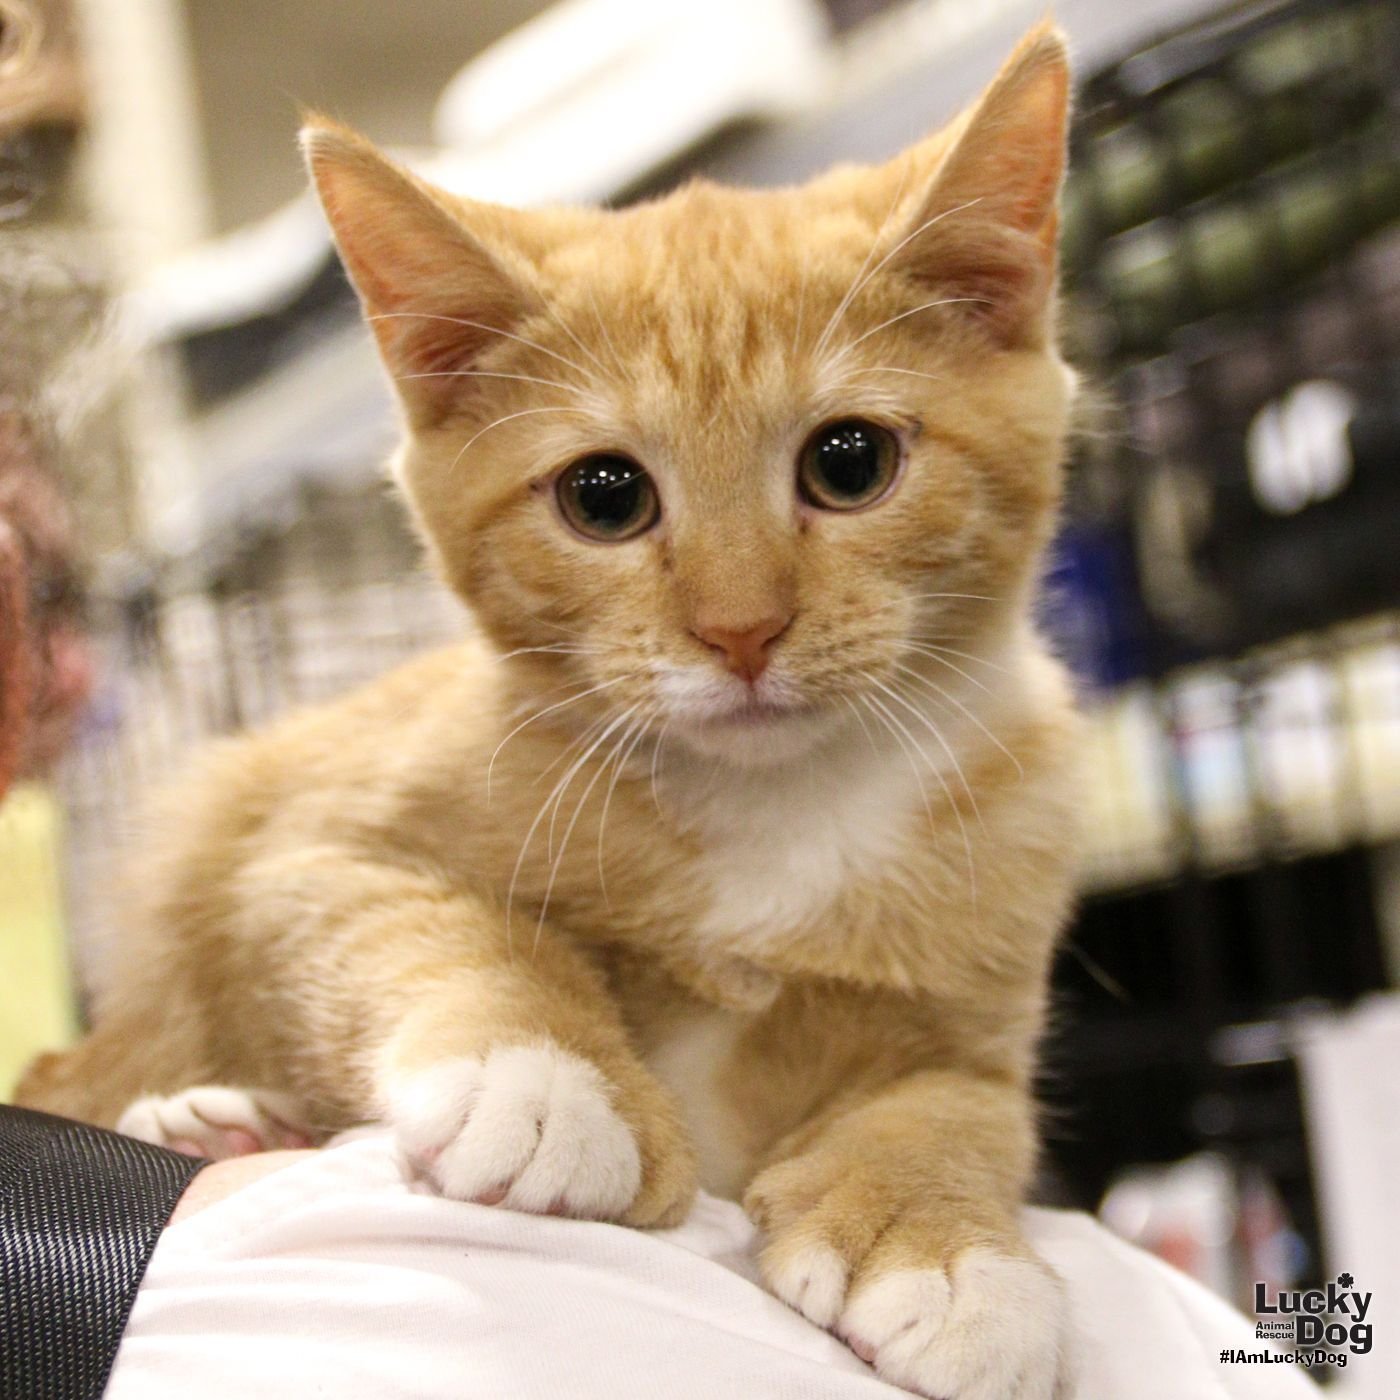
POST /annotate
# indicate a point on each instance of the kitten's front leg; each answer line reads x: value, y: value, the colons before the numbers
x: 533, y: 1110
x: 505, y: 1071
x: 508, y: 1076
x: 894, y: 1224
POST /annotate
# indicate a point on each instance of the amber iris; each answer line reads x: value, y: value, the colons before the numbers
x: 847, y: 464
x: 608, y: 497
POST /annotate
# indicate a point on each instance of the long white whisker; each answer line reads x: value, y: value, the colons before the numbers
x: 509, y: 417
x: 573, y: 820
x: 859, y: 280
x: 953, y: 700
x: 565, y: 755
x: 942, y: 743
x: 482, y: 326
x: 870, y: 704
x: 574, y: 770
x: 937, y: 649
x: 905, y: 242
x: 621, y: 755
x: 488, y: 374
x: 935, y: 656
x: 603, y: 327
x: 905, y: 598
x: 540, y: 714
x: 553, y: 796
x: 655, y: 755
x: 894, y: 369
x: 557, y: 626
x: 567, y: 329
x: 974, y: 597
x: 942, y: 782
x: 860, y: 720
x: 904, y: 315
x: 554, y: 648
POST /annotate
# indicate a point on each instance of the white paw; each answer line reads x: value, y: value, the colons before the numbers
x: 212, y: 1121
x: 812, y: 1280
x: 530, y: 1126
x: 991, y: 1328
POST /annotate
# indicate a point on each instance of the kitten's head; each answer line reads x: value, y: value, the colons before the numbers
x: 734, y: 457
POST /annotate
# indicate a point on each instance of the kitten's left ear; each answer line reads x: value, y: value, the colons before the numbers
x: 434, y: 293
x: 986, y: 230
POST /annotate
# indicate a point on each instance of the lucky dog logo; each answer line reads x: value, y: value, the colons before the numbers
x: 1322, y: 1324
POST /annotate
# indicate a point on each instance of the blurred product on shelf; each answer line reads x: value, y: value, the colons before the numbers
x: 1226, y: 1228
x: 1232, y: 252
x: 1229, y: 588
x: 549, y: 112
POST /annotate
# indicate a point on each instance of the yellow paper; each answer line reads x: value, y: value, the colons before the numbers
x: 36, y: 1002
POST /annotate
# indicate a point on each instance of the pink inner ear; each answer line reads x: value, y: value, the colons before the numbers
x: 431, y: 343
x: 999, y: 184
x: 1004, y: 275
x: 430, y: 350
x: 435, y: 295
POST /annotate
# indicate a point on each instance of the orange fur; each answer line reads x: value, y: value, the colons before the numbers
x: 827, y: 933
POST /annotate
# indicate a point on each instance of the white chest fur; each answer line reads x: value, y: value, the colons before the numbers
x: 691, y: 1061
x: 779, y: 846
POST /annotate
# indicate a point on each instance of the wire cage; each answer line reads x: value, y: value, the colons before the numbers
x: 324, y: 596
x: 1225, y: 586
x: 1234, y: 269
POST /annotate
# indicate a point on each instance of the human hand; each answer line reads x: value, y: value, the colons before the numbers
x: 221, y: 1179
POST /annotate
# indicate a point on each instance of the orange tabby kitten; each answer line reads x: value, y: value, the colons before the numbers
x: 735, y: 848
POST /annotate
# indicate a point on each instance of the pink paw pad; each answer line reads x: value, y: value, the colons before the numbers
x: 216, y: 1122
x: 862, y: 1349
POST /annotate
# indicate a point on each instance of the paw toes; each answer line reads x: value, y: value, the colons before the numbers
x: 988, y: 1325
x: 989, y: 1329
x: 811, y: 1279
x: 215, y: 1121
x: 531, y: 1127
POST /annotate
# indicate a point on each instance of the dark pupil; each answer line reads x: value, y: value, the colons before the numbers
x: 847, y: 459
x: 609, y: 492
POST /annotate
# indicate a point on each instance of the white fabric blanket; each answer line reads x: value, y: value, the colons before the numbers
x: 335, y: 1278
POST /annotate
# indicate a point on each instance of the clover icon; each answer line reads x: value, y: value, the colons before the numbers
x: 1345, y: 1280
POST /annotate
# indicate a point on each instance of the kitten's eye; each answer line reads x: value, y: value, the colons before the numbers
x: 847, y: 464
x: 607, y: 497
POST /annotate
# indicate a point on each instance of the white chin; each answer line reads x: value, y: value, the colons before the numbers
x: 758, y: 744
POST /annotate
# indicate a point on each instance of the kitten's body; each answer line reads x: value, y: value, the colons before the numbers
x: 818, y: 895
x: 506, y: 896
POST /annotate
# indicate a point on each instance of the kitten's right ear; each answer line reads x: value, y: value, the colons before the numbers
x: 433, y: 293
x: 985, y: 230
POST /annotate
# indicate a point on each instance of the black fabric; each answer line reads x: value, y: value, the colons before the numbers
x: 80, y: 1212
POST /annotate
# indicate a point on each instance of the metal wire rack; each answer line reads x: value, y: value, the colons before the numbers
x: 1234, y: 266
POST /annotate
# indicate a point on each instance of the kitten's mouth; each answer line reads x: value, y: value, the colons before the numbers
x: 753, y: 713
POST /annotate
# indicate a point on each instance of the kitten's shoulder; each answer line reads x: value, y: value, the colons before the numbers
x: 360, y: 742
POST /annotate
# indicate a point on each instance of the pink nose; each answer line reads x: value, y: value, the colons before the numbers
x: 745, y: 649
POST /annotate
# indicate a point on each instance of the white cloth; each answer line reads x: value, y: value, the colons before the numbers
x: 1353, y: 1108
x: 334, y: 1278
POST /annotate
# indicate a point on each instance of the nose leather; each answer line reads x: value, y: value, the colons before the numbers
x: 746, y: 650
